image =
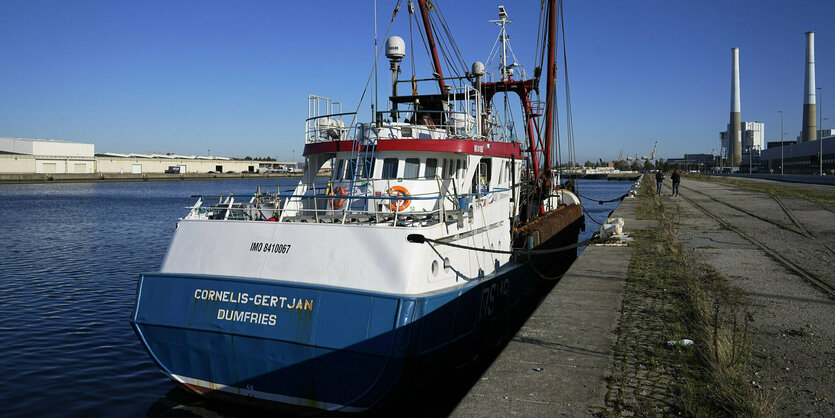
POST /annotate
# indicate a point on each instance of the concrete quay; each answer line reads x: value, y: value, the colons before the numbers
x: 558, y: 362
x: 776, y: 247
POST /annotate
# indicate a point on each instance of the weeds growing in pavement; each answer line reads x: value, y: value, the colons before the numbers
x: 715, y: 314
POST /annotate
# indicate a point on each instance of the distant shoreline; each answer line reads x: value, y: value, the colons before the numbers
x: 127, y: 177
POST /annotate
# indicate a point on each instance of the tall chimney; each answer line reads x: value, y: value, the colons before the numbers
x: 734, y: 139
x: 810, y: 127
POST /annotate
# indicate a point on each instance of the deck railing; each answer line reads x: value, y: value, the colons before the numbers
x: 326, y: 122
x: 320, y: 203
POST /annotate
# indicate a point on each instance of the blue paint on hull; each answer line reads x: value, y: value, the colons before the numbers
x: 342, y: 349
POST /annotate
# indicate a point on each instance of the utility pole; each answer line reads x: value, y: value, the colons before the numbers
x: 820, y: 126
x: 781, y: 142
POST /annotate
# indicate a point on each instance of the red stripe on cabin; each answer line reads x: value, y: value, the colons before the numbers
x: 494, y: 149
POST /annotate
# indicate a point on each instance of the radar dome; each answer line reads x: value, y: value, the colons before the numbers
x: 478, y: 69
x: 395, y: 48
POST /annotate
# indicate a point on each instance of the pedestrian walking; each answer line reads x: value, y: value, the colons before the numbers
x: 659, y: 177
x: 676, y: 181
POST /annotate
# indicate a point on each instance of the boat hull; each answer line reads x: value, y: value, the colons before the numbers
x: 557, y: 229
x: 340, y: 350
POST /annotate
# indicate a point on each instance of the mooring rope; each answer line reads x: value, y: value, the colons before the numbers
x: 590, y: 217
x: 604, y: 201
x: 543, y: 276
x: 420, y: 239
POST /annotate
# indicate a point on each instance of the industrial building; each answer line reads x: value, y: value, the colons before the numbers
x: 18, y: 155
x: 698, y: 162
x: 742, y: 145
x: 752, y: 135
x: 822, y: 133
x: 47, y: 156
x: 799, y: 157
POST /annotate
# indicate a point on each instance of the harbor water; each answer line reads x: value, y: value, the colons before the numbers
x: 70, y: 256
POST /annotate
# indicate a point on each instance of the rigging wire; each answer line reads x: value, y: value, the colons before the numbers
x: 555, y: 133
x: 568, y: 115
x: 493, y: 50
x: 442, y: 45
x: 539, y: 53
x: 411, y: 9
x: 450, y: 38
x: 376, y: 84
x: 370, y: 76
x: 423, y: 39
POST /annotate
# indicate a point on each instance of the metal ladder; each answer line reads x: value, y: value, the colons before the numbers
x: 366, y: 162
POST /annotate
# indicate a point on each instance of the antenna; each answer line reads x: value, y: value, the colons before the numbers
x: 504, y: 21
x: 395, y: 51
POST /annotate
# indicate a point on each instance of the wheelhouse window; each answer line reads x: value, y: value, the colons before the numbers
x: 337, y: 174
x: 361, y: 168
x: 412, y: 168
x: 481, y: 177
x: 390, y: 168
x: 431, y: 168
x: 352, y: 165
x: 367, y: 169
x: 458, y: 172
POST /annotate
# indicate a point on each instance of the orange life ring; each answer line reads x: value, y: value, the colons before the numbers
x: 399, y: 191
x: 337, y: 191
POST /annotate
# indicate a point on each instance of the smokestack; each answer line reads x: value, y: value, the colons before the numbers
x: 734, y: 139
x: 810, y: 127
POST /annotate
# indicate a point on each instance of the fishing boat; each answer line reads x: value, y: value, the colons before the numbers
x: 432, y: 230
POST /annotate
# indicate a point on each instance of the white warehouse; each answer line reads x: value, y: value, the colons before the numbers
x: 19, y: 155
x: 47, y: 156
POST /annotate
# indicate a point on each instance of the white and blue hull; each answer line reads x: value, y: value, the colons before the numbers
x: 329, y: 316
x: 312, y: 345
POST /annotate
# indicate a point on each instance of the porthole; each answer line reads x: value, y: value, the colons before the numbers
x: 435, y: 268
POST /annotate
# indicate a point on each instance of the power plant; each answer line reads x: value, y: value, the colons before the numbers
x: 744, y: 142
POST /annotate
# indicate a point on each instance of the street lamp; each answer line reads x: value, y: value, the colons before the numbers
x: 781, y: 142
x: 820, y: 126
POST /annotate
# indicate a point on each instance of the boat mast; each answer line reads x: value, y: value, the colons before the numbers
x: 521, y: 87
x: 550, y: 99
x: 502, y: 22
x: 439, y: 73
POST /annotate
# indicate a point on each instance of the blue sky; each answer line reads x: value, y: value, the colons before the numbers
x: 233, y: 77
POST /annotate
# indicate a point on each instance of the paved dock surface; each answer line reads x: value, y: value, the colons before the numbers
x: 779, y: 251
x: 767, y: 246
x: 558, y: 362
